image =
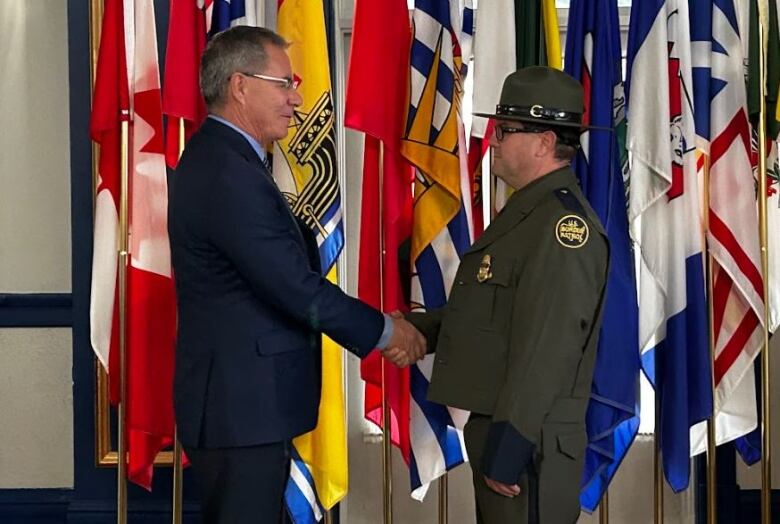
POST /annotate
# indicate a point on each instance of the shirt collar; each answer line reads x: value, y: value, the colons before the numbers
x: 252, y: 142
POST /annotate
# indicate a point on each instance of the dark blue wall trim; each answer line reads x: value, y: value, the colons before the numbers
x: 34, y: 506
x: 750, y: 506
x: 36, y: 310
x: 56, y: 506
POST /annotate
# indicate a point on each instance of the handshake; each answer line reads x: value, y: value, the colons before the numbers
x: 407, y: 345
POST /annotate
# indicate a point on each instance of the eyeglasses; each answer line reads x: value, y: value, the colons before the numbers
x: 502, y: 130
x: 287, y: 83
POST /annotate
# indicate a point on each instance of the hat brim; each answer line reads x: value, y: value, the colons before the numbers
x: 537, y: 121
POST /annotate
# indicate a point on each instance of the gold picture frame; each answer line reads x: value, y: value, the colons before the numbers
x: 105, y: 454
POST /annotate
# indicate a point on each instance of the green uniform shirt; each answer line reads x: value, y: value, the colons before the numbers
x: 517, y: 338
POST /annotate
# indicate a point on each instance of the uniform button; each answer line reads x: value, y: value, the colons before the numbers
x: 441, y: 360
x: 460, y: 282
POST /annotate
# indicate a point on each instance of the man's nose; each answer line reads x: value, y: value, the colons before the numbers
x: 295, y: 98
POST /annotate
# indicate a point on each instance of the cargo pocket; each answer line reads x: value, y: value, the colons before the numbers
x: 563, y: 448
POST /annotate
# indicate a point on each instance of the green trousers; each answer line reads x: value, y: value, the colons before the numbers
x: 493, y: 508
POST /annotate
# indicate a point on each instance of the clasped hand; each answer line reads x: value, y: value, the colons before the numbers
x: 407, y: 345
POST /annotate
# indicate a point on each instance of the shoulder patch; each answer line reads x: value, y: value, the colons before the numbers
x: 572, y: 231
x: 570, y: 202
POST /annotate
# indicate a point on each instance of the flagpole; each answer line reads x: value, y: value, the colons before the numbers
x: 712, y: 444
x: 443, y: 498
x: 387, y: 457
x: 658, y: 477
x: 387, y: 466
x: 604, y: 508
x: 712, y: 464
x: 177, y: 478
x: 178, y: 473
x: 766, y: 463
x: 121, y: 475
x: 96, y: 16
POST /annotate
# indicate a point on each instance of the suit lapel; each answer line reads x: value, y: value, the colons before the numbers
x: 244, y: 148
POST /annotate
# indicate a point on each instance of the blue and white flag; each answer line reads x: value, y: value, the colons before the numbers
x: 300, y: 495
x: 665, y: 213
x: 434, y: 143
x: 593, y: 56
x: 229, y: 13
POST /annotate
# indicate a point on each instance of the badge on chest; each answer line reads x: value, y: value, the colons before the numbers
x: 484, y: 272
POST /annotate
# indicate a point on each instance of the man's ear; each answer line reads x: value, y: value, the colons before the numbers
x: 237, y: 85
x: 549, y: 139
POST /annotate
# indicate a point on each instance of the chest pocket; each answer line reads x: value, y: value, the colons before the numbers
x: 487, y: 303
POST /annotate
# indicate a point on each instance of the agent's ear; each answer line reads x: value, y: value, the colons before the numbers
x: 547, y: 142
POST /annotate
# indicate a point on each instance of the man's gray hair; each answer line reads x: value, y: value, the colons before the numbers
x: 240, y: 49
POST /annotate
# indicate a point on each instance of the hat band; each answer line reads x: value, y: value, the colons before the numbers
x: 540, y: 112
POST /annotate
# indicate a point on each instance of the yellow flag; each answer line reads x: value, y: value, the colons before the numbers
x: 552, y: 34
x: 777, y: 113
x: 305, y: 168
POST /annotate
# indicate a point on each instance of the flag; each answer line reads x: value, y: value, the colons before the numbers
x: 477, y: 146
x: 434, y: 143
x: 552, y: 35
x: 375, y: 105
x: 773, y: 165
x: 182, y: 98
x: 494, y: 58
x: 510, y: 35
x: 306, y: 172
x: 507, y: 37
x: 772, y: 84
x: 127, y: 88
x: 666, y: 222
x: 593, y: 56
x: 230, y: 13
x: 536, y: 26
x: 749, y: 446
x: 723, y: 137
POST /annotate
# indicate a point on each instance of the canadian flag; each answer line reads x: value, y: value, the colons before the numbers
x: 127, y: 89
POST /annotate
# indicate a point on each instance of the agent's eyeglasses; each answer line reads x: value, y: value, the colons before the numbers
x: 501, y: 130
x: 287, y: 83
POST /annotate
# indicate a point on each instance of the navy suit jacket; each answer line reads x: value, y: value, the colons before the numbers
x: 252, y: 303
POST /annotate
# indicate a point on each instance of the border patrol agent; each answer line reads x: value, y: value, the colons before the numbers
x: 516, y: 343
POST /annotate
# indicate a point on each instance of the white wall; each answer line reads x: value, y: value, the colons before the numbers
x: 36, y: 401
x: 36, y: 408
x: 34, y: 148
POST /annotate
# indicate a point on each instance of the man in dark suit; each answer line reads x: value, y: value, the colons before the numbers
x: 252, y: 303
x: 516, y: 342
